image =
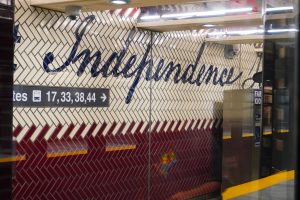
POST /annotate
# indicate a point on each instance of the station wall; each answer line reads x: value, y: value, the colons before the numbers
x: 159, y: 137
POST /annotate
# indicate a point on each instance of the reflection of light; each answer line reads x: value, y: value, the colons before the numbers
x: 237, y: 10
x: 246, y: 32
x: 217, y: 33
x: 282, y: 30
x: 209, y: 25
x: 243, y: 32
x: 208, y: 13
x: 119, y: 1
x: 150, y: 17
x: 279, y: 8
x: 190, y: 14
x: 250, y: 32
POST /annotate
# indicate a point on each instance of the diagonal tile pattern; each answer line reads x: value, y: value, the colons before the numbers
x: 66, y: 149
x: 98, y: 174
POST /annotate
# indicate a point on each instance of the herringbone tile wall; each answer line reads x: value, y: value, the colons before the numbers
x: 168, y: 135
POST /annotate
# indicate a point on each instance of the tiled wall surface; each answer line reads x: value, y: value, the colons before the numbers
x: 162, y: 143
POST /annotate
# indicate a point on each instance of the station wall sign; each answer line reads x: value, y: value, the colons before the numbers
x: 41, y: 96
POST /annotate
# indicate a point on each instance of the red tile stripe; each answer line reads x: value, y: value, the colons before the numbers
x: 17, y: 130
x: 134, y: 128
x: 123, y: 12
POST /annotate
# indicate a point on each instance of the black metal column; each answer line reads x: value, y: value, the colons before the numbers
x: 6, y: 90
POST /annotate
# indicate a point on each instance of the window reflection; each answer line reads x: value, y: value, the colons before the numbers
x: 5, y: 2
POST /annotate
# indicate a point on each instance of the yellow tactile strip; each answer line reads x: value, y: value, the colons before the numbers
x: 226, y: 137
x: 247, y: 135
x: 257, y: 185
x: 12, y: 159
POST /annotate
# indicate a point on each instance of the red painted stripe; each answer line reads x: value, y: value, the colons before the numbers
x: 214, y: 123
x: 69, y: 130
x: 197, y: 123
x: 93, y: 127
x: 43, y: 132
x: 99, y: 134
x: 130, y: 127
x: 56, y: 131
x: 40, y: 142
x: 132, y: 13
x: 121, y: 127
x: 113, y: 126
x: 29, y: 133
x: 123, y: 10
x: 209, y: 124
x: 147, y: 128
x: 139, y: 127
x: 80, y: 130
x: 252, y: 2
x: 203, y: 123
x: 190, y: 126
x: 163, y: 127
x: 177, y: 126
x: 155, y: 127
x: 184, y: 125
x: 170, y: 126
x: 17, y: 131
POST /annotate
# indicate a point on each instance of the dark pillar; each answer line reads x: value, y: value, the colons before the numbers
x: 6, y: 90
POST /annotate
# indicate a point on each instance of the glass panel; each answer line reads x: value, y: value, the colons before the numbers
x: 5, y: 2
x: 218, y: 8
x: 199, y: 105
x: 81, y: 106
x: 186, y: 140
x: 279, y: 64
